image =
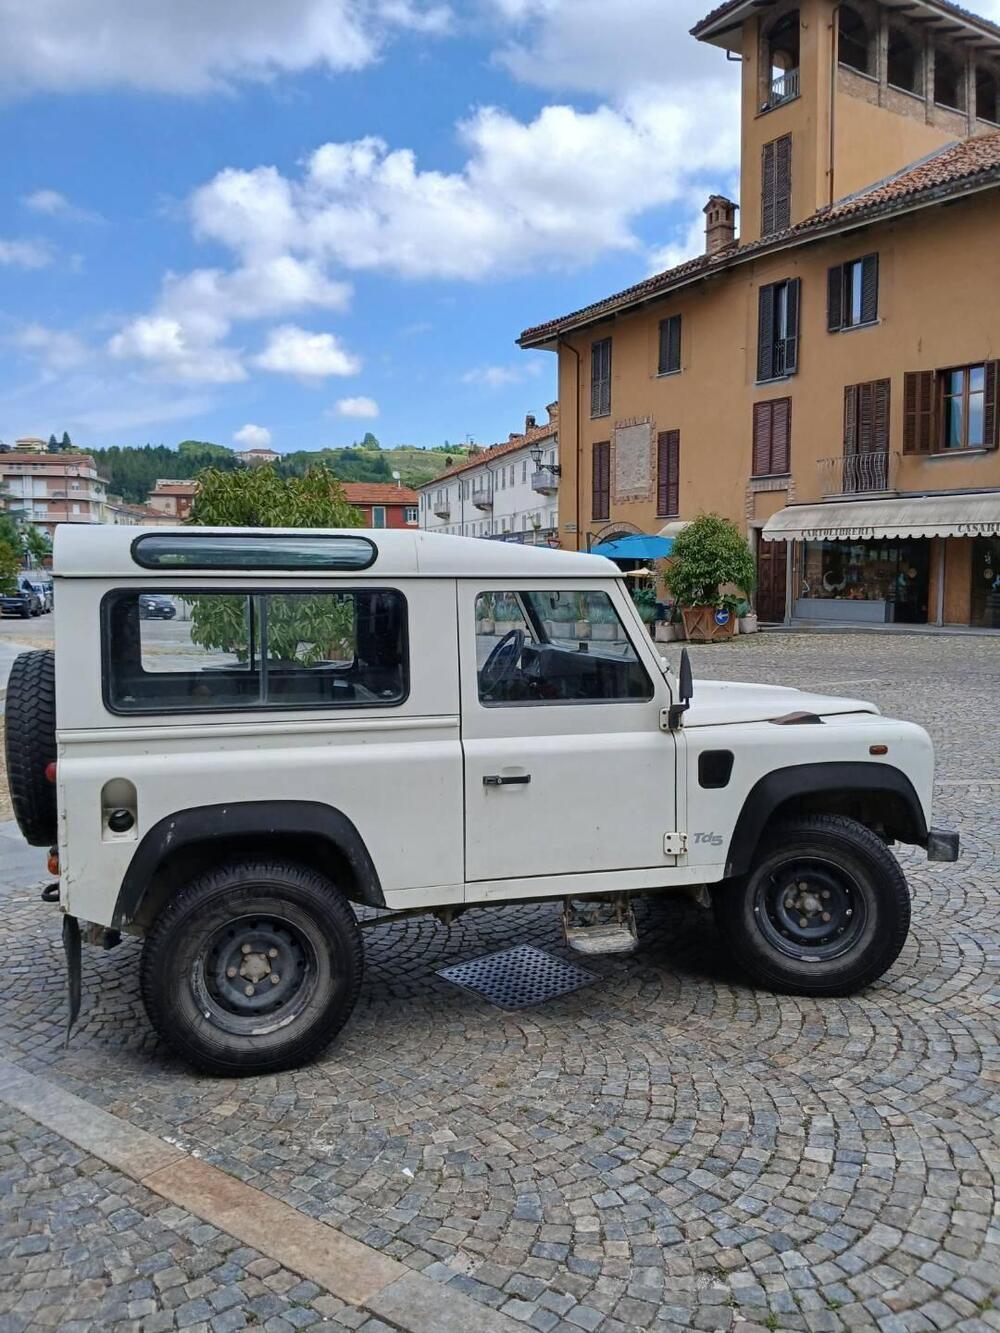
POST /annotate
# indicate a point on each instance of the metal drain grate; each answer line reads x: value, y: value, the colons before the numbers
x: 518, y: 978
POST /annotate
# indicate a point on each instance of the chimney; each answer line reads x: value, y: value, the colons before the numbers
x: 529, y: 423
x: 553, y: 411
x: 720, y: 224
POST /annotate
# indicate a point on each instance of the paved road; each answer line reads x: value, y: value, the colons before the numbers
x: 667, y: 1149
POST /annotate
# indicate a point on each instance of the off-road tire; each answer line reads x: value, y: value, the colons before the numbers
x: 178, y: 960
x: 30, y: 744
x: 877, y: 888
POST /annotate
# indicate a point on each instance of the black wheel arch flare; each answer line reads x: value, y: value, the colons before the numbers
x: 785, y: 789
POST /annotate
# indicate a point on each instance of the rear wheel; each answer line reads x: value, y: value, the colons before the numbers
x: 825, y: 909
x: 253, y: 967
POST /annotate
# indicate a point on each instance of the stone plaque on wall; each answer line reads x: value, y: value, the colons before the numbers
x: 633, y: 463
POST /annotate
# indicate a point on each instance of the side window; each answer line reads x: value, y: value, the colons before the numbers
x: 536, y: 648
x: 197, y: 652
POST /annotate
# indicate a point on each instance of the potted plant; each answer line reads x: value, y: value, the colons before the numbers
x: 746, y: 617
x: 485, y: 615
x: 666, y: 631
x: 710, y: 572
x: 645, y: 604
x: 603, y: 621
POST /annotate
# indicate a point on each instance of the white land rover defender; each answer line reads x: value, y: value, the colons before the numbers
x: 405, y: 721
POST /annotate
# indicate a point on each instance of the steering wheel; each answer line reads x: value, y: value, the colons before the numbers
x: 502, y: 661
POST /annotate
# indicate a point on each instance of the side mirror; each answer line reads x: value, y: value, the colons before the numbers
x: 685, y: 691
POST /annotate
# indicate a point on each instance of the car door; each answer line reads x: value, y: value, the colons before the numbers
x: 567, y: 770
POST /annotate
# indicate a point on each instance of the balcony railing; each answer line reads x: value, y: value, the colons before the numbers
x: 442, y: 509
x: 482, y: 497
x: 858, y: 474
x: 785, y: 87
x: 544, y: 481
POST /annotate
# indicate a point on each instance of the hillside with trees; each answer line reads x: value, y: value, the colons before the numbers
x: 132, y: 471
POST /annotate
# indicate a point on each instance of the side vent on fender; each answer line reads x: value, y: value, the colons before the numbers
x: 715, y: 768
x: 797, y: 720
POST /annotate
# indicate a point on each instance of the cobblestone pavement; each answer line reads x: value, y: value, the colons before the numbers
x: 666, y: 1149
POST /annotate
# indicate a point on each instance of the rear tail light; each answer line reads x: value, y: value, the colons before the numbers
x: 53, y: 861
x: 50, y: 771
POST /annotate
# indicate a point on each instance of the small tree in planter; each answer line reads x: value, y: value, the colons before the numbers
x: 708, y: 556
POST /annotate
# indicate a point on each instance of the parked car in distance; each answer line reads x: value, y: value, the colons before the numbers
x: 406, y: 722
x: 154, y: 607
x: 44, y: 589
x: 24, y: 602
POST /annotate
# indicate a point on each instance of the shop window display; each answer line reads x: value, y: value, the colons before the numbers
x: 986, y: 582
x: 873, y: 581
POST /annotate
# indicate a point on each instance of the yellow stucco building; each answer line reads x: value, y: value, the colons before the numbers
x: 831, y: 379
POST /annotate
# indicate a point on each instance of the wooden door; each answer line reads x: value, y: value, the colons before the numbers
x: 771, y: 581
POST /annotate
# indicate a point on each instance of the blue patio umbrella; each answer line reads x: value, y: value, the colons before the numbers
x: 636, y: 547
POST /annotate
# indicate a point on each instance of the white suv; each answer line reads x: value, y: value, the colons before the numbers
x: 408, y: 721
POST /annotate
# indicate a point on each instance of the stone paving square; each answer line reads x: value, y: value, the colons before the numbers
x: 666, y: 1149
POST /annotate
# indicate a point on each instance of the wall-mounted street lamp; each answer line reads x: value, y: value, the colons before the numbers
x: 536, y: 458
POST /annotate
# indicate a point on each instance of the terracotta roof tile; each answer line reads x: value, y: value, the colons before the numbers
x: 379, y: 493
x: 945, y: 6
x: 942, y: 175
x: 546, y: 432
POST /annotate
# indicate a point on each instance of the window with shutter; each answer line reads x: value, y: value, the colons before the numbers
x: 601, y: 480
x: 852, y: 294
x: 918, y: 412
x: 772, y: 438
x: 991, y: 431
x: 668, y: 450
x: 776, y: 186
x: 670, y: 346
x: 778, y: 329
x: 600, y: 378
x: 866, y: 436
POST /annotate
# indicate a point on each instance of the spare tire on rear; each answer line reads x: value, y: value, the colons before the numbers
x: 31, y: 745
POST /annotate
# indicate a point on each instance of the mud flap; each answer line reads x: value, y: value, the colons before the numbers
x: 74, y: 970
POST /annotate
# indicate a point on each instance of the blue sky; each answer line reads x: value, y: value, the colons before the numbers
x: 241, y: 221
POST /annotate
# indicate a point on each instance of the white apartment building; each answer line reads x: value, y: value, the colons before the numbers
x: 509, y: 492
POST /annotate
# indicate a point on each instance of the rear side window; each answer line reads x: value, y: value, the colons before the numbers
x: 212, y: 651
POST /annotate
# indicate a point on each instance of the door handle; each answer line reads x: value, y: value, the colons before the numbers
x: 497, y: 780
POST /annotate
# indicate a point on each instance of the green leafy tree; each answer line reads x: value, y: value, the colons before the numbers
x: 66, y: 444
x: 10, y: 567
x: 37, y: 544
x: 710, y: 556
x: 303, y: 630
x: 370, y: 442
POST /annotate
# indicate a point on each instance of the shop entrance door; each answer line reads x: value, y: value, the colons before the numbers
x: 772, y: 565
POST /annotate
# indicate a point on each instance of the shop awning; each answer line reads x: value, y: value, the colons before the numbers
x: 881, y: 520
x: 635, y: 547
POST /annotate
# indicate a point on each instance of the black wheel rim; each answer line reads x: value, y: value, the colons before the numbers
x: 255, y: 974
x: 810, y: 909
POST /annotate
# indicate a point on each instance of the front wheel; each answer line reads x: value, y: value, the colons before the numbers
x: 253, y: 967
x: 824, y: 910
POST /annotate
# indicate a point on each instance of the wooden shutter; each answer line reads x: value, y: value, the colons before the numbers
x: 835, y: 299
x: 781, y: 435
x: 601, y: 480
x: 783, y: 184
x: 918, y: 412
x: 767, y: 183
x: 765, y: 333
x: 600, y: 378
x: 670, y: 345
x: 869, y: 289
x: 851, y: 419
x: 866, y: 418
x: 761, y: 439
x: 991, y: 411
x: 882, y: 392
x: 792, y: 335
x: 668, y: 449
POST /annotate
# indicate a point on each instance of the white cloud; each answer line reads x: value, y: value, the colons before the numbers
x: 310, y: 356
x: 357, y: 407
x: 190, y: 46
x: 184, y: 336
x: 569, y: 44
x: 171, y: 352
x: 554, y: 192
x: 497, y: 377
x: 25, y: 254
x: 56, y: 349
x: 253, y: 437
x: 52, y: 204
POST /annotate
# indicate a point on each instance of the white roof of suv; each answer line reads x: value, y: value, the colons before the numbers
x: 102, y: 551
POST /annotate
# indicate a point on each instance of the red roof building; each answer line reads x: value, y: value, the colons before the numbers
x: 383, y: 504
